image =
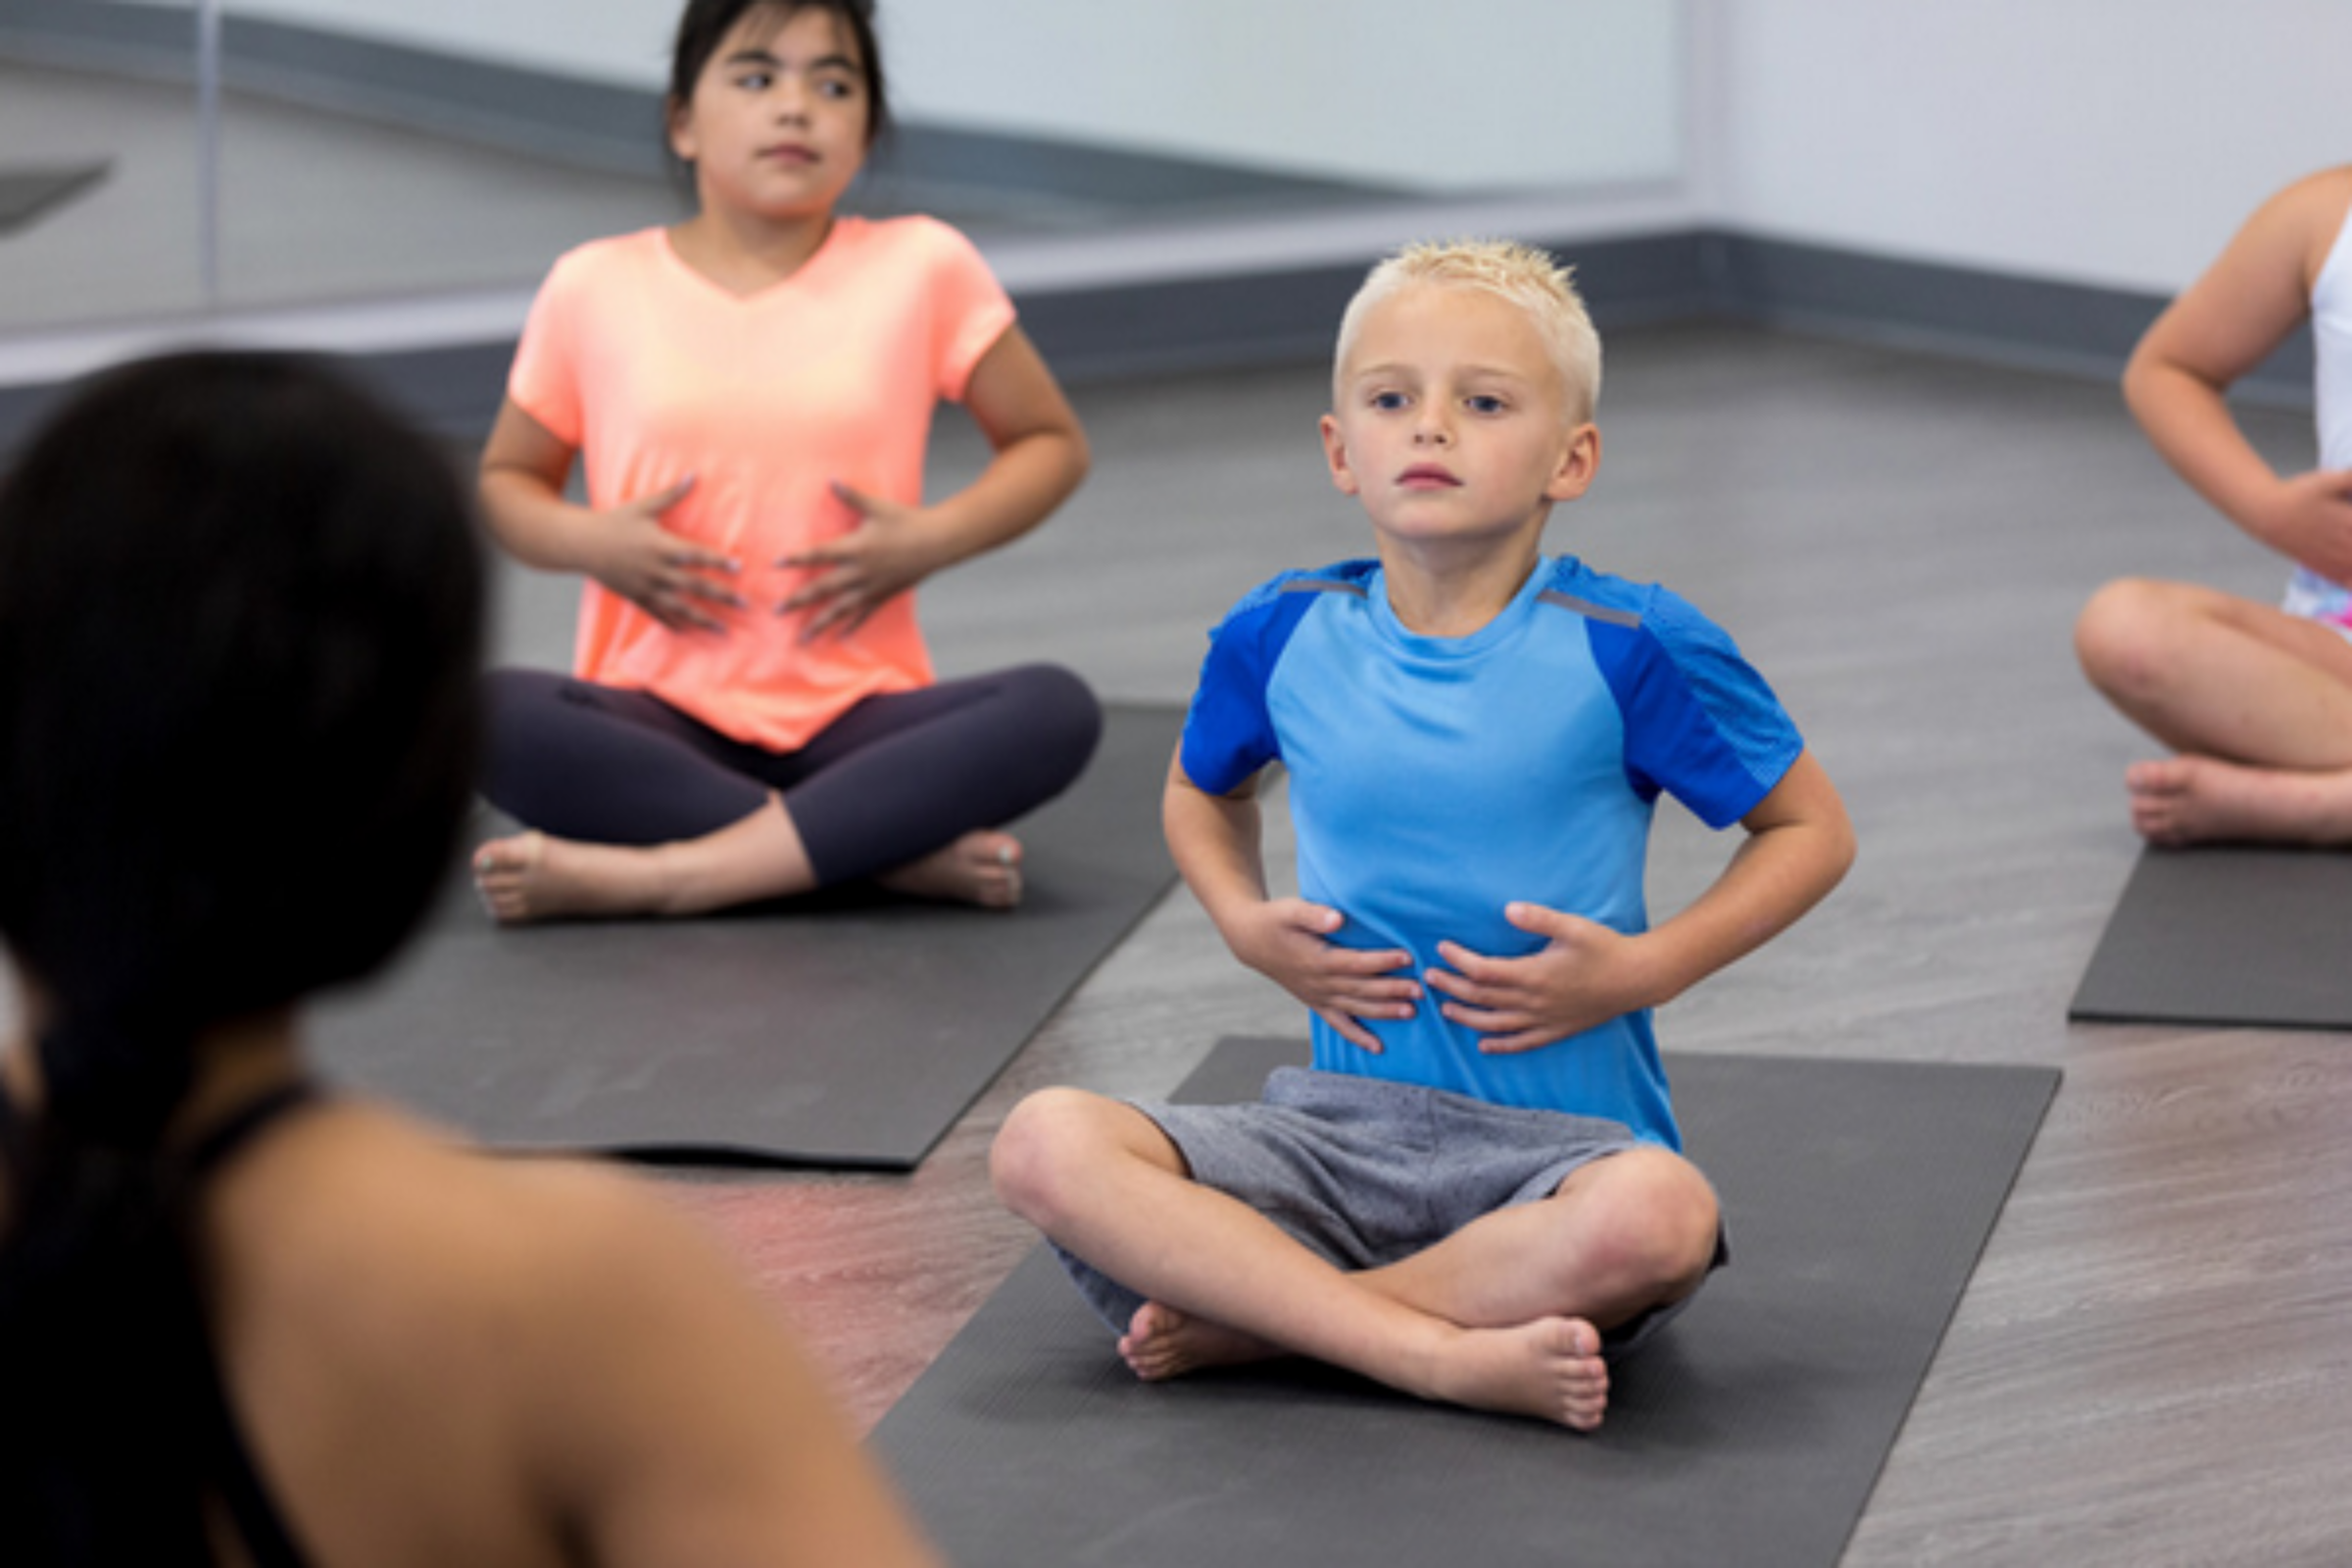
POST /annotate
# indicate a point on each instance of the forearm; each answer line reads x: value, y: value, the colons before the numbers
x: 535, y: 524
x: 1216, y: 841
x: 2188, y: 420
x: 1022, y: 486
x: 1774, y: 878
x: 1798, y: 848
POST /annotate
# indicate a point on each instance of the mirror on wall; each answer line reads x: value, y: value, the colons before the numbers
x: 357, y: 150
x: 101, y: 199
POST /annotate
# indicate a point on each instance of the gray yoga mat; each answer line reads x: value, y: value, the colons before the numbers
x: 2233, y: 934
x: 27, y: 194
x: 1858, y: 1196
x: 839, y: 1031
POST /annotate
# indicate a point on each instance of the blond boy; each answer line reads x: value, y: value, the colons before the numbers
x: 1476, y: 1194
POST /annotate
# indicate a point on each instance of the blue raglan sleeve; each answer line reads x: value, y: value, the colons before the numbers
x: 1701, y: 723
x: 1229, y: 733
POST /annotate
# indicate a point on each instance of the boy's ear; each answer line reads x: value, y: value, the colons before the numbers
x: 1335, y: 452
x: 1579, y: 461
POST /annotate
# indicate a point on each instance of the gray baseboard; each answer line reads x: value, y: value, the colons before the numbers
x: 2034, y: 323
x: 1137, y: 329
x: 1289, y: 315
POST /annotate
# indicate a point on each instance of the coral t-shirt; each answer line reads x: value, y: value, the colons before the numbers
x: 655, y: 373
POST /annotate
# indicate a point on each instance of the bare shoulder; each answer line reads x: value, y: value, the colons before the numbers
x: 397, y: 1209
x: 547, y: 1334
x: 2298, y: 226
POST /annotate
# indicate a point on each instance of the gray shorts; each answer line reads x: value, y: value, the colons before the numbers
x: 1364, y: 1171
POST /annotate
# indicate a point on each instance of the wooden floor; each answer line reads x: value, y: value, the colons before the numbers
x: 2153, y: 1364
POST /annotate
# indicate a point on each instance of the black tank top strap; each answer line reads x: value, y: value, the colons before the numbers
x: 267, y: 1541
x: 13, y: 1138
x: 248, y: 1122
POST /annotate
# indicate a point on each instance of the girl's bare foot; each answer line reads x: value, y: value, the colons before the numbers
x: 982, y: 867
x: 1161, y: 1343
x: 1549, y: 1369
x: 531, y: 877
x: 2202, y: 800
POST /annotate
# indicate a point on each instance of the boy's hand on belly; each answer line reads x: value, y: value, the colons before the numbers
x: 1584, y: 975
x: 1288, y: 941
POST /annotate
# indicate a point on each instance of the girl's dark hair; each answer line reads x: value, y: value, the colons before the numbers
x: 240, y: 612
x: 705, y: 25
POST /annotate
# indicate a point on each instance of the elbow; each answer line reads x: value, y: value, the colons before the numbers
x: 1845, y: 844
x: 2133, y: 384
x: 1079, y: 461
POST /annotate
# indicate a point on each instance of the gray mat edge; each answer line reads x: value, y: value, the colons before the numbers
x: 2026, y: 1133
x: 2092, y: 1001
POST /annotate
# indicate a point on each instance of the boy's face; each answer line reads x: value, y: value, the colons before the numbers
x: 1452, y: 422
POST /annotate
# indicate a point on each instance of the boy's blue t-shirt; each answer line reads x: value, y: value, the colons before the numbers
x: 1434, y: 780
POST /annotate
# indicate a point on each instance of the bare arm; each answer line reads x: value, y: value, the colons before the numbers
x: 1040, y: 456
x: 2246, y: 303
x: 627, y: 547
x: 679, y: 1424
x: 1799, y: 844
x: 1215, y: 840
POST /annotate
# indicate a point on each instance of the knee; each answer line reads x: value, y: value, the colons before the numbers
x: 1657, y: 1233
x: 1064, y: 716
x: 2125, y: 635
x: 1039, y: 1162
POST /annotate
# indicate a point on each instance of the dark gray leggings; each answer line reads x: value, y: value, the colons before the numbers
x: 893, y: 779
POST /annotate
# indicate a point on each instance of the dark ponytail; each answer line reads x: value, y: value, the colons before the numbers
x: 239, y: 628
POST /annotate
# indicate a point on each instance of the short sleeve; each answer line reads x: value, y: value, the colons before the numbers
x: 1229, y: 733
x: 544, y: 381
x: 970, y: 309
x: 1701, y: 723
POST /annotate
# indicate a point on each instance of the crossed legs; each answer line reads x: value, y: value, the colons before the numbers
x: 1505, y: 1314
x: 2257, y: 703
x: 637, y: 808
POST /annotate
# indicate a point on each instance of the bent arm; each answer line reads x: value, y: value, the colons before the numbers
x: 524, y: 468
x: 1041, y: 452
x: 1799, y: 844
x: 2252, y: 297
x: 1217, y: 844
x: 629, y: 548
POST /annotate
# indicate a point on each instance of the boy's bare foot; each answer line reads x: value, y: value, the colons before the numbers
x: 2202, y: 800
x: 982, y: 867
x: 531, y: 877
x: 1161, y: 1343
x: 1550, y: 1370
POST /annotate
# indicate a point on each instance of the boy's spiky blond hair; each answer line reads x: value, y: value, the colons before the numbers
x: 1522, y: 274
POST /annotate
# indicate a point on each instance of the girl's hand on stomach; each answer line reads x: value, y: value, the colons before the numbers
x: 889, y: 552
x: 673, y: 581
x: 2310, y: 519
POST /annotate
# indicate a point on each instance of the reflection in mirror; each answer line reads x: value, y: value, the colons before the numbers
x: 375, y: 149
x: 99, y: 196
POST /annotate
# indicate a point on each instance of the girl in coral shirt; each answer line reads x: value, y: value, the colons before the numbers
x: 752, y: 711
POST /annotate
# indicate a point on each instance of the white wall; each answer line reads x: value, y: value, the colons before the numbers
x: 2113, y: 142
